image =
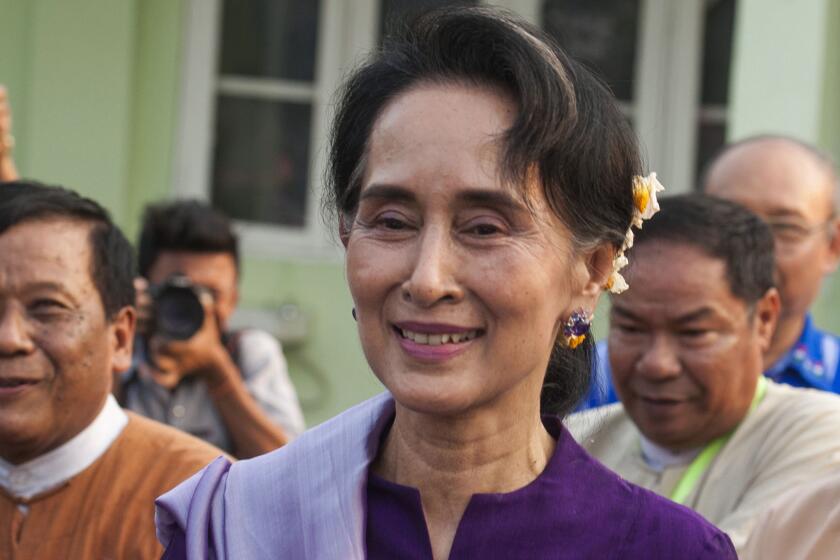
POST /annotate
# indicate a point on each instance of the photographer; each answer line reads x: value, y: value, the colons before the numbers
x: 229, y: 388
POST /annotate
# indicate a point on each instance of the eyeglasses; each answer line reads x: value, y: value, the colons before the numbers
x: 790, y: 233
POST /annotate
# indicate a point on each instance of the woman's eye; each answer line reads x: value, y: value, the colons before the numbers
x: 392, y: 223
x: 486, y: 229
x: 694, y: 333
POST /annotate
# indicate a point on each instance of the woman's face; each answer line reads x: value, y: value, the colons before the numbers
x: 460, y: 287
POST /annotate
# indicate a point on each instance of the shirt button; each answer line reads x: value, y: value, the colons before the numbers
x: 178, y: 411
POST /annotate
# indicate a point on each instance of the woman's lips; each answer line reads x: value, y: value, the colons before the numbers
x: 434, y: 342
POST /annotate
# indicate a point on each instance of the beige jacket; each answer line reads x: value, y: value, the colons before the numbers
x: 790, y: 439
x: 804, y: 523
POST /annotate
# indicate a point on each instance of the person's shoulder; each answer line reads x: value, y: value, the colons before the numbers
x: 253, y: 339
x: 147, y: 439
x: 674, y: 531
x: 595, y: 423
x: 646, y: 524
x: 801, y: 403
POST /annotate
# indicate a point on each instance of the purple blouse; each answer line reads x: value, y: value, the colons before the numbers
x: 575, y: 509
x: 315, y: 499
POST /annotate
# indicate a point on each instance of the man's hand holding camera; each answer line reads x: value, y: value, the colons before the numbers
x: 173, y: 357
x: 182, y: 332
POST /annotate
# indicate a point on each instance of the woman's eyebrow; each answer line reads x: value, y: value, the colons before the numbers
x: 387, y: 192
x: 493, y: 199
x: 473, y: 197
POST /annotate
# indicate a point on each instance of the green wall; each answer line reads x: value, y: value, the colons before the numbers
x: 93, y: 87
x: 331, y: 352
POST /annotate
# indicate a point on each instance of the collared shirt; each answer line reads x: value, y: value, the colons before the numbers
x: 813, y: 362
x: 790, y: 438
x: 659, y: 458
x: 69, y: 459
x: 189, y: 405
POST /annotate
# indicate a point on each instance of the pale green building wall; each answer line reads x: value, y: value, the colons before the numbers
x: 786, y: 80
x: 94, y: 86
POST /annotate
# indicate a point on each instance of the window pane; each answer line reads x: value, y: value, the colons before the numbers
x: 397, y: 11
x: 261, y: 162
x: 710, y: 139
x: 601, y: 34
x: 717, y: 51
x: 270, y: 38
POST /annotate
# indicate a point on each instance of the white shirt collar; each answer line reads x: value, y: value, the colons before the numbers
x: 658, y: 458
x: 66, y: 461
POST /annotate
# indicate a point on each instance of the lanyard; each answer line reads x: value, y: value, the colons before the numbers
x: 701, y: 463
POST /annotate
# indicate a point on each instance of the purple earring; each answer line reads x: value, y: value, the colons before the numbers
x: 576, y: 328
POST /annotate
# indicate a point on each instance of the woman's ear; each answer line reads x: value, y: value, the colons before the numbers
x: 594, y: 270
x: 599, y: 267
x: 343, y: 230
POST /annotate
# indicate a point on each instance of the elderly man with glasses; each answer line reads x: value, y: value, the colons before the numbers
x: 795, y: 188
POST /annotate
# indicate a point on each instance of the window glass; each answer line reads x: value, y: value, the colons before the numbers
x: 270, y: 38
x: 261, y: 160
x: 717, y: 51
x: 601, y: 34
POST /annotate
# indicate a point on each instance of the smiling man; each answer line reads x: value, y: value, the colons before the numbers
x: 697, y: 421
x: 78, y: 476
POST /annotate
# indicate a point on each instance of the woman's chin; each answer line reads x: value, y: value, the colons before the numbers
x: 437, y: 399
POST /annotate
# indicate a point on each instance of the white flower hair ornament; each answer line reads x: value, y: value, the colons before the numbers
x: 645, y: 206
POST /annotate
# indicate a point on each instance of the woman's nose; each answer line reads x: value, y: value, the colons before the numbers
x: 14, y: 338
x: 660, y: 360
x: 433, y: 276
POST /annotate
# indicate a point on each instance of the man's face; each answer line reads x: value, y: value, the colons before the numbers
x: 790, y: 190
x: 214, y: 271
x: 58, y: 351
x: 685, y: 352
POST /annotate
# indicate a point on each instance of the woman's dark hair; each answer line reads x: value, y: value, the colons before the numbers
x: 568, y: 128
x: 112, y: 258
x: 723, y: 230
x: 184, y: 225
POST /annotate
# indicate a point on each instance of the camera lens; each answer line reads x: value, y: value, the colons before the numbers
x: 179, y: 313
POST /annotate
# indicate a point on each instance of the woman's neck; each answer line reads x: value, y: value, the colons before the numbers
x: 450, y: 459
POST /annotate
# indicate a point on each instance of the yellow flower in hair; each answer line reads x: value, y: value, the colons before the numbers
x: 645, y: 206
x: 644, y: 196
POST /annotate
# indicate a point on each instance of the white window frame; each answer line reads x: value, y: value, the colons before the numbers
x: 199, y: 87
x: 666, y: 99
x: 666, y: 109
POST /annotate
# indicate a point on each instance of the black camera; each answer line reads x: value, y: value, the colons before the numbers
x: 177, y: 311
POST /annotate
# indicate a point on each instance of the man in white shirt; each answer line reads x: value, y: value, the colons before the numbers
x: 78, y: 475
x: 697, y: 420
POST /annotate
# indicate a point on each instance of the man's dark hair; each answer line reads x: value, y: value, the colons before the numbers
x: 112, y: 257
x: 723, y: 230
x: 568, y: 129
x: 184, y: 225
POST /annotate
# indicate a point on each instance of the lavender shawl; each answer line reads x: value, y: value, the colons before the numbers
x: 305, y: 500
